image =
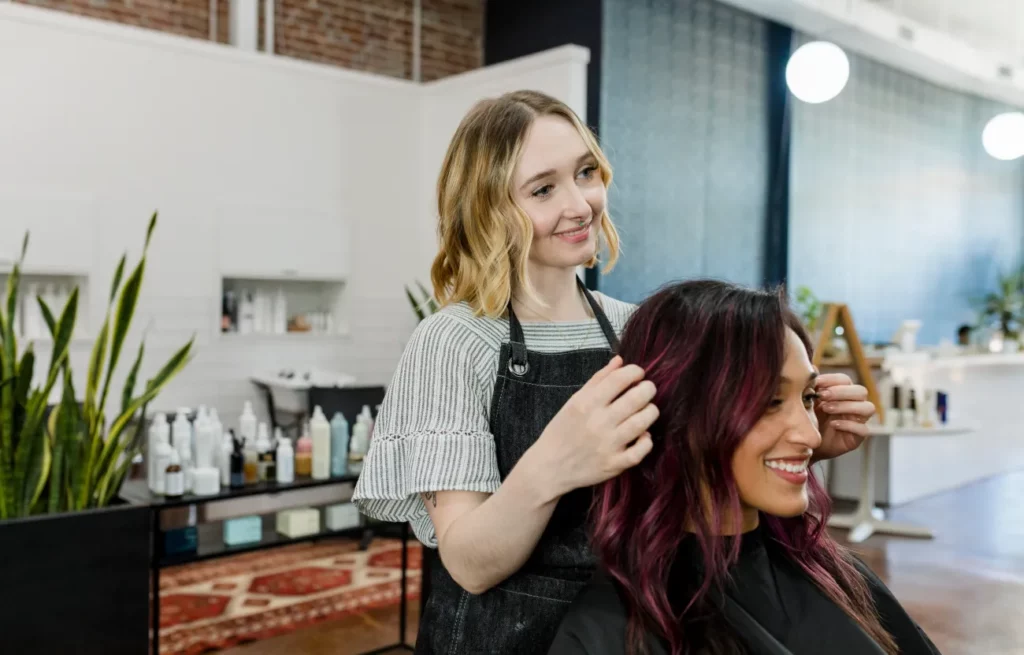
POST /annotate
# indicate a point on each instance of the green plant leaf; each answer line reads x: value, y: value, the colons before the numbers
x: 25, y: 371
x: 133, y: 374
x: 38, y: 472
x: 92, y: 381
x: 31, y: 457
x: 47, y: 316
x: 428, y: 297
x: 149, y: 232
x: 415, y: 305
x: 65, y: 423
x: 165, y: 375
x: 122, y: 322
x: 116, y: 283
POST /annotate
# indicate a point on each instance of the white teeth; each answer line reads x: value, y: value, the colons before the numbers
x: 786, y: 466
x: 576, y: 231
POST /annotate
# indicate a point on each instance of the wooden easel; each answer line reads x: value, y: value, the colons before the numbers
x: 839, y: 314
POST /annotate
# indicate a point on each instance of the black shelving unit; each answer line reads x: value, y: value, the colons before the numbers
x: 136, y: 492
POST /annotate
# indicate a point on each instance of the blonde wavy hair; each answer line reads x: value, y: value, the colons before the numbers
x: 484, y: 234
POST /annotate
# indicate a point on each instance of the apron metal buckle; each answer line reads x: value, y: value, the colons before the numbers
x: 518, y: 370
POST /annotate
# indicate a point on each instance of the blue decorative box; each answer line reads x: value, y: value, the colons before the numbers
x: 181, y: 541
x: 243, y: 530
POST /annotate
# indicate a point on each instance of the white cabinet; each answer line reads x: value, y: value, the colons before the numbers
x: 61, y: 230
x: 283, y: 244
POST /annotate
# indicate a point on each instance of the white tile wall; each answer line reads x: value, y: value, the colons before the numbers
x: 131, y: 121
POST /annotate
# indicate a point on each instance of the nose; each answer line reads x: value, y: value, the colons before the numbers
x: 576, y: 205
x: 803, y: 429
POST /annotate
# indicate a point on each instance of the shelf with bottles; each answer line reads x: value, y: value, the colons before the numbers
x: 282, y: 308
x: 194, y: 455
x: 54, y: 289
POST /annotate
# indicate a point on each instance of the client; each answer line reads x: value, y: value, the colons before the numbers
x: 716, y: 542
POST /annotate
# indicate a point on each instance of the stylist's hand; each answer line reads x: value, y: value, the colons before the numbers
x: 843, y: 412
x: 600, y: 431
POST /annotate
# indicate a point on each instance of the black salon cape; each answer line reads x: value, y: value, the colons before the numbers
x: 771, y: 605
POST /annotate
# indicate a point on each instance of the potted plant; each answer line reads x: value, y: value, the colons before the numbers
x: 75, y: 565
x: 422, y: 306
x: 1003, y: 310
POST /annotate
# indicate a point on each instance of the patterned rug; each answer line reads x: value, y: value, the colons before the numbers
x: 212, y: 605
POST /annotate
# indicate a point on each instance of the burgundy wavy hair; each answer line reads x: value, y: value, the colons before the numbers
x: 715, y: 351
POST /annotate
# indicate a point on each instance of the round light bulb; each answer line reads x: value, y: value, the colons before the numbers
x: 1003, y: 136
x: 817, y: 72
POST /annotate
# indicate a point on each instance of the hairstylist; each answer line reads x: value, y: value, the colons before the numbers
x: 507, y: 405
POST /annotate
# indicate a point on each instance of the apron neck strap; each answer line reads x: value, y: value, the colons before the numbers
x: 518, y: 341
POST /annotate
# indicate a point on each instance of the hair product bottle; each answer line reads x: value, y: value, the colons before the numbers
x: 285, y: 461
x: 339, y: 445
x: 175, y: 477
x: 320, y: 431
x: 304, y: 456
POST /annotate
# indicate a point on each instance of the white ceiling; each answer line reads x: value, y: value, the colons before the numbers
x: 976, y: 46
x: 996, y: 26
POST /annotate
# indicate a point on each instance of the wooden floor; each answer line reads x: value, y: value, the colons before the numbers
x: 965, y: 587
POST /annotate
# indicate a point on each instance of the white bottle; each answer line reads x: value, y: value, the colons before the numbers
x: 320, y: 432
x: 175, y: 477
x: 181, y: 436
x: 263, y: 446
x: 161, y: 458
x: 224, y: 463
x: 285, y: 461
x: 247, y: 424
x: 204, y: 442
x: 359, y: 446
x: 159, y: 427
x: 217, y: 429
x: 366, y: 416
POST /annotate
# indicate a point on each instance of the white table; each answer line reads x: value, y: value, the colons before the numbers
x: 867, y: 519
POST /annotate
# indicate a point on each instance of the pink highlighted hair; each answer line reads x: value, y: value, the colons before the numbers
x: 715, y: 352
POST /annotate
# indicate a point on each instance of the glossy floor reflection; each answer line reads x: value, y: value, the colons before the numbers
x: 965, y: 587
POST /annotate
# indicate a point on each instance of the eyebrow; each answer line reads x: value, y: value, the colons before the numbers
x: 541, y: 175
x: 810, y: 378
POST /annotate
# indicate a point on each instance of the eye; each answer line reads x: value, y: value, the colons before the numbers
x: 810, y: 398
x: 775, y: 404
x: 542, y: 191
x: 587, y: 172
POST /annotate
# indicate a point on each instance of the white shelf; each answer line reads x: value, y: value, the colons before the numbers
x: 34, y: 284
x: 284, y: 275
x: 287, y: 336
x: 936, y: 431
x: 317, y: 304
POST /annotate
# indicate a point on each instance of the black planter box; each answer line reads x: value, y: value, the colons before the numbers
x: 76, y: 583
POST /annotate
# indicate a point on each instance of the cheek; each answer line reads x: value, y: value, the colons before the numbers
x: 544, y: 220
x: 596, y: 196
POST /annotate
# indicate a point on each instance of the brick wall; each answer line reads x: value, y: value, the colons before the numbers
x: 367, y: 35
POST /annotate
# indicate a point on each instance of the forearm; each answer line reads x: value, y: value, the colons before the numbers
x: 485, y: 545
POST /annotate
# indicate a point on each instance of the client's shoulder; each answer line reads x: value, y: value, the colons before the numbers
x: 601, y: 595
x: 595, y: 623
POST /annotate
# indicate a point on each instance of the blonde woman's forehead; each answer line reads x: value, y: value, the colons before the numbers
x: 551, y: 145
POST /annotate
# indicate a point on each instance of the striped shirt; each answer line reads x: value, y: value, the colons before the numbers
x: 433, y: 429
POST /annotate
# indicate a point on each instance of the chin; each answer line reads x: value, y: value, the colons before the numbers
x: 786, y: 509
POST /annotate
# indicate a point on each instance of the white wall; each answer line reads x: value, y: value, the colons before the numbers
x: 106, y: 123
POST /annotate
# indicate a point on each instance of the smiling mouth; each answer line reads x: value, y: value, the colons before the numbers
x: 791, y: 470
x: 576, y: 231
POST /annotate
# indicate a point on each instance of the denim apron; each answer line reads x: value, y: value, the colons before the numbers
x: 520, y: 615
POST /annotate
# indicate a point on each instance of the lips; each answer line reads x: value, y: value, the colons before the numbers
x: 793, y: 470
x: 574, y: 231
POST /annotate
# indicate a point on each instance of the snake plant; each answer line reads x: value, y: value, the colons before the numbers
x: 70, y: 457
x: 423, y: 306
